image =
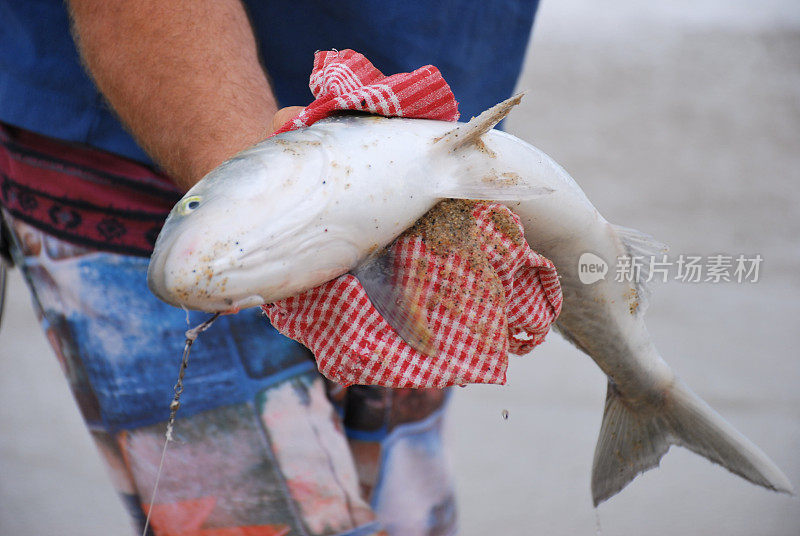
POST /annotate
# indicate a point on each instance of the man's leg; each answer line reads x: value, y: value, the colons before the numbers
x: 257, y: 443
x: 397, y: 440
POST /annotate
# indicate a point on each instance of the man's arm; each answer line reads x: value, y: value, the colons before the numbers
x: 182, y: 75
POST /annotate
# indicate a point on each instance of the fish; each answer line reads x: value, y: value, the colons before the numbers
x: 309, y: 205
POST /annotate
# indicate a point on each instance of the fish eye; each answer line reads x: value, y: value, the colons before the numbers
x: 189, y: 204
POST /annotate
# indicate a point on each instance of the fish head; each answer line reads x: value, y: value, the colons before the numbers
x: 252, y: 231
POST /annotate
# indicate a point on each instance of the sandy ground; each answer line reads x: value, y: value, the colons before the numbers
x: 683, y: 122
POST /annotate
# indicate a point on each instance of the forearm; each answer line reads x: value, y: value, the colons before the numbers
x: 182, y: 75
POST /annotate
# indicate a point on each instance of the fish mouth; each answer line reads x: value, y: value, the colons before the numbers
x: 156, y: 276
x: 157, y: 273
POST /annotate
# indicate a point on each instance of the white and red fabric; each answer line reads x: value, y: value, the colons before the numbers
x: 352, y: 343
x: 346, y: 80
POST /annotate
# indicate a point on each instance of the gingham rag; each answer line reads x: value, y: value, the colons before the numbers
x: 483, y: 297
x: 346, y: 80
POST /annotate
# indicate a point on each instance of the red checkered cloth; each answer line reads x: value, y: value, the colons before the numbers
x: 346, y: 80
x: 482, y: 294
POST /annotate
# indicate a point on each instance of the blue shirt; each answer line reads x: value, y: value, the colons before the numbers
x: 479, y: 47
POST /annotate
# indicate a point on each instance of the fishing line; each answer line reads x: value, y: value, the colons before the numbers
x: 598, y: 530
x: 191, y: 336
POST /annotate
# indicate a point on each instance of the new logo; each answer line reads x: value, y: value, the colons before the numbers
x: 591, y: 268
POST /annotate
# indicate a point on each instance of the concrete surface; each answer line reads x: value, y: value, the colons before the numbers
x: 681, y: 119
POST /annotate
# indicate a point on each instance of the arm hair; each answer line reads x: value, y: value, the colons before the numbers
x: 182, y: 75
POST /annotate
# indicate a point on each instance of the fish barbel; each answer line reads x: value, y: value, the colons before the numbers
x: 306, y: 206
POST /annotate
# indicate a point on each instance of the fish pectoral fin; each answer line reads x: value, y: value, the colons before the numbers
x: 470, y: 133
x: 397, y: 304
x: 486, y: 188
x: 633, y: 438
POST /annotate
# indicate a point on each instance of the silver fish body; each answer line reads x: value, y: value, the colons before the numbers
x: 291, y: 213
x: 304, y: 207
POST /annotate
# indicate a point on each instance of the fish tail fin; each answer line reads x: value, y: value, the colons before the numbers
x: 634, y: 438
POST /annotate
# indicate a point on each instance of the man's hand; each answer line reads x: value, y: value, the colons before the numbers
x: 183, y: 76
x: 283, y: 115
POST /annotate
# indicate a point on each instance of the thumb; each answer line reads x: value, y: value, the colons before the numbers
x: 284, y: 115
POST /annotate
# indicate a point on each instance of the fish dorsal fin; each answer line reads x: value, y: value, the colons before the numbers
x: 475, y: 172
x: 471, y: 133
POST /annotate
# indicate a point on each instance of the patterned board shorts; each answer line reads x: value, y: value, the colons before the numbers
x: 263, y: 444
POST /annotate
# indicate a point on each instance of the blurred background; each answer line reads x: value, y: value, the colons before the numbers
x: 681, y: 119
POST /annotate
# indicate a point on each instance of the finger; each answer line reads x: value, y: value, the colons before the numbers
x: 284, y: 115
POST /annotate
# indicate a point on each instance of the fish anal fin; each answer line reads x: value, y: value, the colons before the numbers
x: 397, y: 304
x: 634, y: 437
x: 641, y: 248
